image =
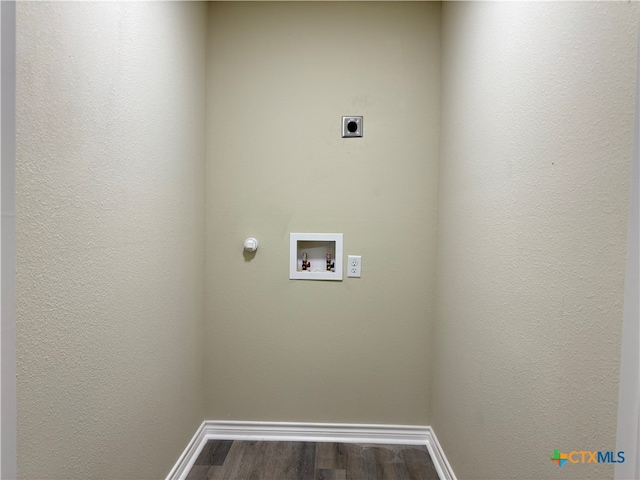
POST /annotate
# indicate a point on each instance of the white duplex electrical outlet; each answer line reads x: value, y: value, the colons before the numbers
x: 354, y: 266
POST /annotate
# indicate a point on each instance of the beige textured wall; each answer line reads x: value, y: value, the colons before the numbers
x: 280, y: 77
x: 536, y: 149
x: 110, y: 235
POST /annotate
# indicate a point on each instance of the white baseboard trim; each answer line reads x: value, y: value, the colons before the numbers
x: 439, y: 459
x: 311, y: 432
x: 182, y: 467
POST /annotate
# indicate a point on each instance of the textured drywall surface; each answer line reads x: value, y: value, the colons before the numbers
x: 110, y: 235
x: 537, y: 135
x: 280, y: 77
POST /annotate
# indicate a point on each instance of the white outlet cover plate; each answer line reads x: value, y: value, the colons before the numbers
x: 354, y: 266
x: 346, y: 133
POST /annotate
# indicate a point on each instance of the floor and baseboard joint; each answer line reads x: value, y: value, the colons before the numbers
x: 311, y: 432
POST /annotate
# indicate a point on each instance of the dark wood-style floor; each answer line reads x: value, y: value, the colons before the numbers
x: 248, y: 460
